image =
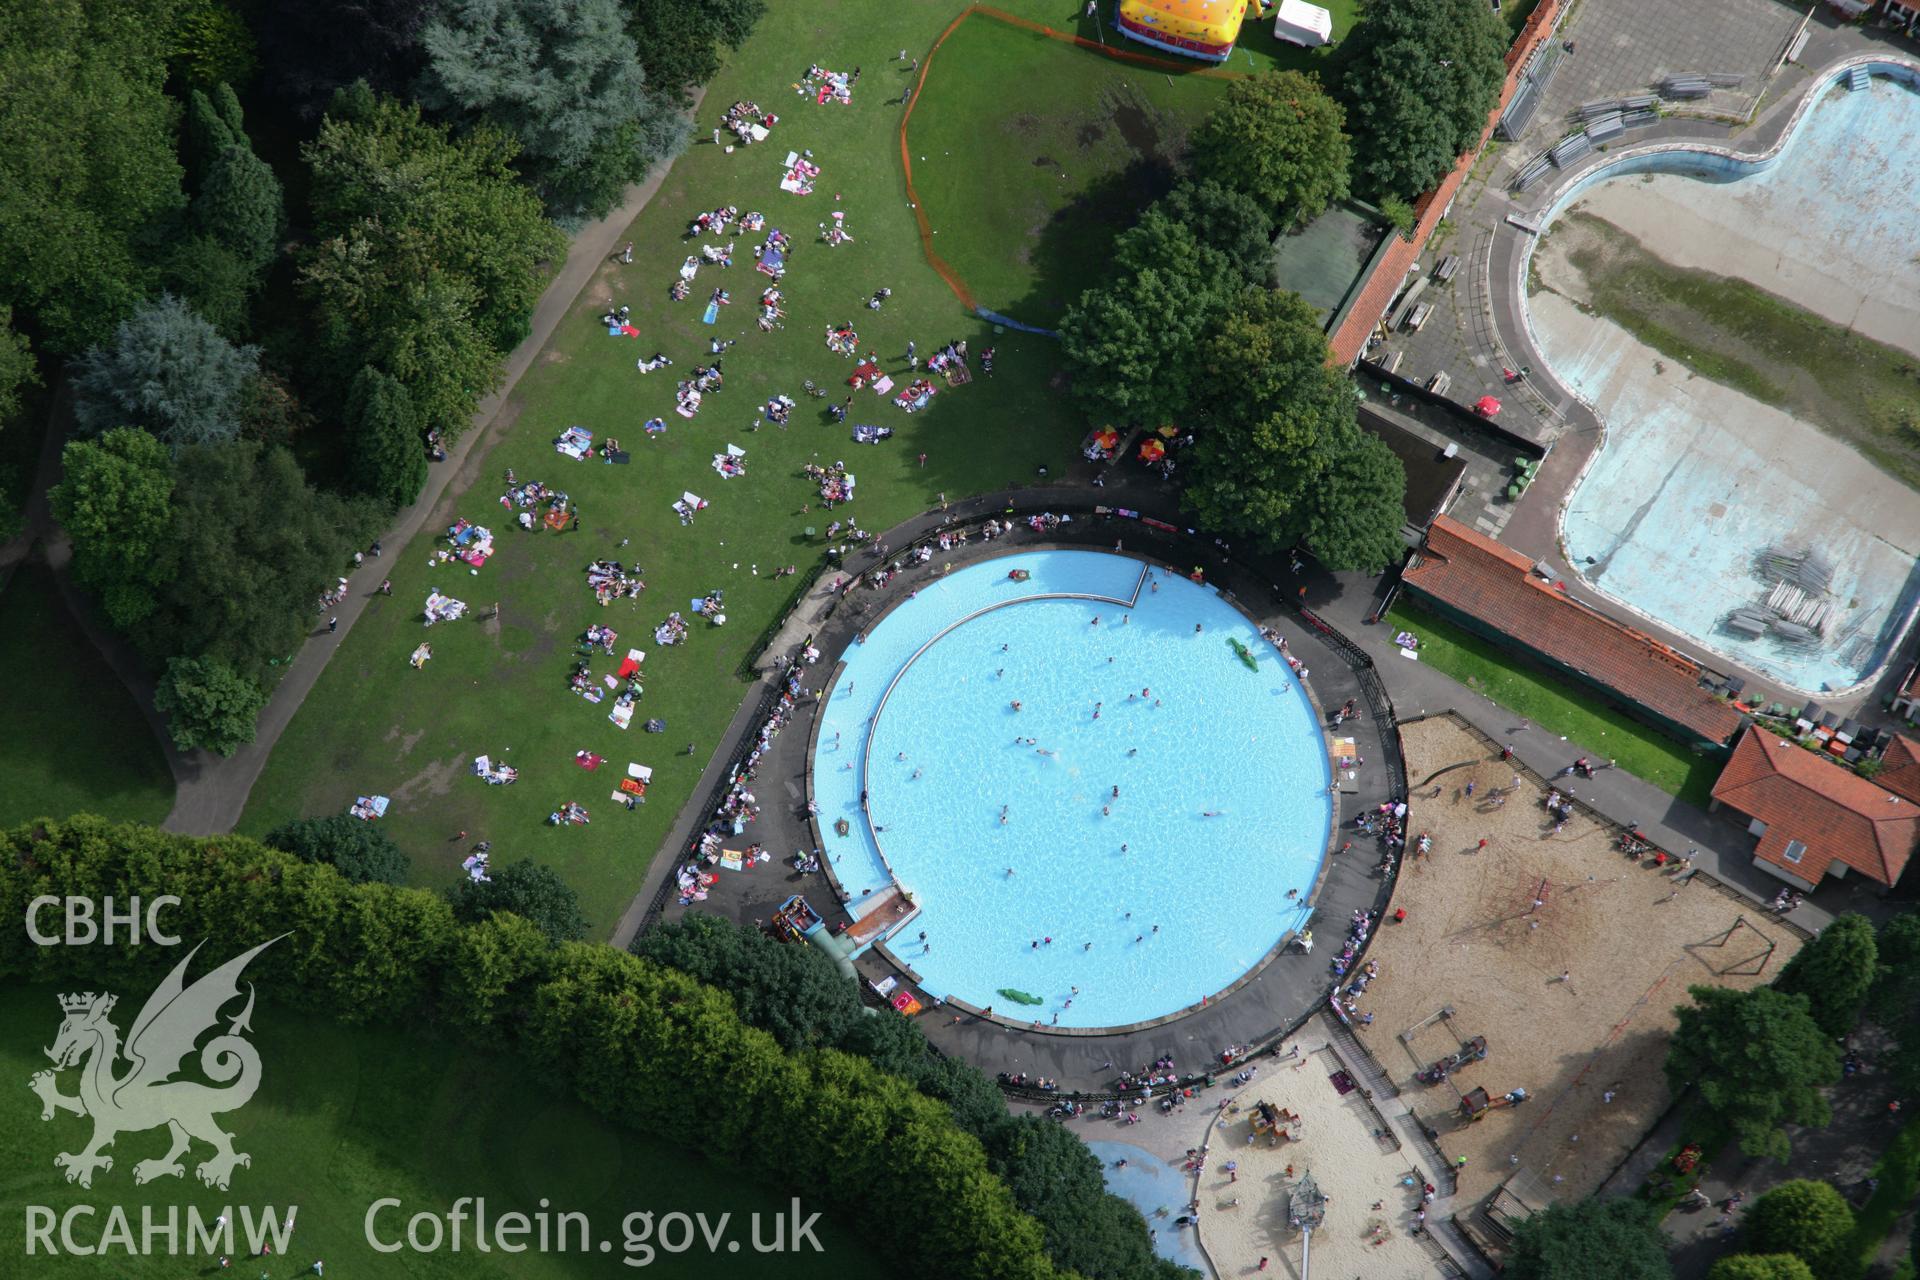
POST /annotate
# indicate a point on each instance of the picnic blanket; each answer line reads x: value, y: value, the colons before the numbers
x: 622, y: 714
x: 631, y: 663
x: 367, y: 808
x: 588, y: 760
x: 711, y: 314
x: 443, y: 608
x: 798, y: 174
x: 883, y: 385
x: 772, y: 262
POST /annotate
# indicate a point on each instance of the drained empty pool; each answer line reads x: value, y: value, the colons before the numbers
x: 1734, y: 520
x: 1138, y: 833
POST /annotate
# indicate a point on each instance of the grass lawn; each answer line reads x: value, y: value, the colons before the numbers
x: 347, y: 1116
x: 1558, y: 706
x: 1031, y: 154
x: 375, y: 724
x: 75, y: 741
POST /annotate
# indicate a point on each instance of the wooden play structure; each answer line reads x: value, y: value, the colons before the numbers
x: 1475, y: 1103
x: 1277, y: 1123
x: 1474, y: 1050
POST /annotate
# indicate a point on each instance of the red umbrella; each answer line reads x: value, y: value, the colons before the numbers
x: 1106, y: 437
x: 1152, y: 451
x: 1487, y: 407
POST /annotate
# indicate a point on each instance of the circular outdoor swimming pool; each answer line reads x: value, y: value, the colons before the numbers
x: 1005, y: 824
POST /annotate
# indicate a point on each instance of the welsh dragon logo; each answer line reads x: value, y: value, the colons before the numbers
x: 147, y: 1095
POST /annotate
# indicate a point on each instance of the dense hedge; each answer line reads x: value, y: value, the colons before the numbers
x: 627, y: 1034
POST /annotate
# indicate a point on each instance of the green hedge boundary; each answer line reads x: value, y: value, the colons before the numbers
x: 626, y: 1035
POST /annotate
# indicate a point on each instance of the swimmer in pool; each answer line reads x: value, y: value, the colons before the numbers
x: 1015, y: 704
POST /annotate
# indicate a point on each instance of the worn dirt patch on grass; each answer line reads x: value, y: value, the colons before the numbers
x: 1863, y: 392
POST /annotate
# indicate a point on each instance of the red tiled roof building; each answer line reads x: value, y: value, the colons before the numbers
x: 1816, y: 818
x: 1491, y: 589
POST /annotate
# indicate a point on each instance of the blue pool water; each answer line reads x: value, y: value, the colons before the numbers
x: 933, y: 683
x: 1160, y: 1192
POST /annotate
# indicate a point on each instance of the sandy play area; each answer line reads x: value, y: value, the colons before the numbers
x: 1335, y: 1141
x: 1575, y: 996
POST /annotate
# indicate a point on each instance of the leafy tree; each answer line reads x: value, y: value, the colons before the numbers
x: 620, y: 1031
x: 270, y: 413
x: 1355, y: 514
x: 1589, y: 1240
x: 1897, y: 990
x: 358, y: 850
x: 1835, y: 972
x: 1056, y: 1179
x: 116, y: 502
x: 208, y: 705
x: 214, y: 122
x: 529, y: 890
x: 496, y: 970
x: 389, y: 455
x: 216, y: 283
x: 1274, y: 418
x: 16, y: 367
x: 253, y: 547
x: 1131, y: 342
x: 418, y: 329
x: 794, y: 993
x: 211, y: 45
x: 1399, y: 215
x: 1758, y: 1060
x: 1802, y: 1217
x: 239, y: 204
x: 166, y: 371
x: 563, y: 77
x: 16, y: 373
x: 90, y: 173
x: 1277, y: 138
x: 1760, y: 1266
x: 420, y: 198
x: 311, y: 49
x: 679, y: 41
x: 1895, y: 1000
x: 1228, y: 220
x: 1421, y: 78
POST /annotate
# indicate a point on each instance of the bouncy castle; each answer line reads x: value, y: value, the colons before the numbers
x: 1194, y: 28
